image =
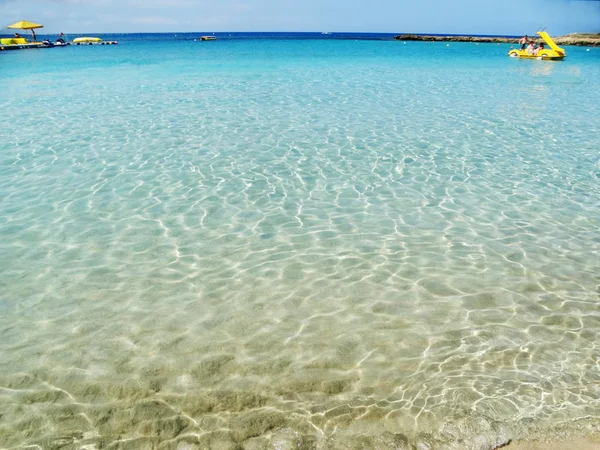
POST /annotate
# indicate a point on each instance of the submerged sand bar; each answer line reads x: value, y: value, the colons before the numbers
x: 589, y: 40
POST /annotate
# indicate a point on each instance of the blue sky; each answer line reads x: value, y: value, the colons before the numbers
x: 395, y: 16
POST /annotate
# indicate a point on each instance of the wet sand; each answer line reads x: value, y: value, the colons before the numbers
x: 587, y: 442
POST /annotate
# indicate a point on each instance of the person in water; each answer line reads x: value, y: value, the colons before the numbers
x: 524, y: 41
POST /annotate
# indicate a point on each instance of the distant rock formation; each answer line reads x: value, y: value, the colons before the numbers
x: 588, y: 40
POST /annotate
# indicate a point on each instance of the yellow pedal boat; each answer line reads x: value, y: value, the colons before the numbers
x: 554, y: 52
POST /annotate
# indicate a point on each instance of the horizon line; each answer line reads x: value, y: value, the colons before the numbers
x: 299, y: 32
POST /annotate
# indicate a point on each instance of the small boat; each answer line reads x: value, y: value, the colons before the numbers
x: 59, y: 43
x: 208, y: 38
x: 553, y: 53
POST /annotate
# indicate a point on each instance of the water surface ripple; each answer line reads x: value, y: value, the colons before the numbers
x: 297, y: 244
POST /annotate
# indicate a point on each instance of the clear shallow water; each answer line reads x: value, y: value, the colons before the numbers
x: 297, y: 244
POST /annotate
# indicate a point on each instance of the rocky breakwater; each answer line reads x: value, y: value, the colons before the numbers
x: 588, y: 40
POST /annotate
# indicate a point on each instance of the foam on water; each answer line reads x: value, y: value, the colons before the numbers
x: 297, y: 244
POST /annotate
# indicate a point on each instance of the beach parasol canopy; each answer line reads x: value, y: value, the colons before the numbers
x: 25, y: 25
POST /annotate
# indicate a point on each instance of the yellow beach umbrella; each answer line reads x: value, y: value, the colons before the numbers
x: 25, y: 25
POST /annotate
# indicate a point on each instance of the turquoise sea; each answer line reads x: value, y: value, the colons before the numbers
x: 295, y: 243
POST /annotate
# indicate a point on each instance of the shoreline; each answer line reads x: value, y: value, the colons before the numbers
x: 583, y: 40
x: 585, y: 441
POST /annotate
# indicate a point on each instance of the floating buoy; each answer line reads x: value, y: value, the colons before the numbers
x: 588, y: 50
x: 447, y: 45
